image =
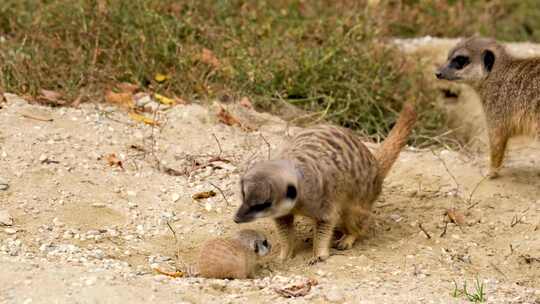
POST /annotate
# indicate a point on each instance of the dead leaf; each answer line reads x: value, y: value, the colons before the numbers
x: 50, y: 95
x: 203, y: 195
x: 298, y: 290
x: 126, y: 87
x: 227, y: 118
x: 209, y: 58
x: 164, y: 100
x: 176, y: 274
x: 113, y: 160
x: 160, y: 78
x: 246, y: 103
x: 122, y: 99
x: 455, y: 216
x: 143, y: 119
x: 51, y: 98
x: 77, y: 101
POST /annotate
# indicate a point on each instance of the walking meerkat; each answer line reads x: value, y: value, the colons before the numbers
x: 509, y: 88
x: 232, y: 258
x: 327, y: 174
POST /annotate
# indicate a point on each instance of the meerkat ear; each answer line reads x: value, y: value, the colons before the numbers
x: 489, y: 59
x: 291, y: 192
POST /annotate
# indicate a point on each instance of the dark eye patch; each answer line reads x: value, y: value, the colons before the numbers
x: 265, y: 243
x: 261, y: 207
x: 459, y: 62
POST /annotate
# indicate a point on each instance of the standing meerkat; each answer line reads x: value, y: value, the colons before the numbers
x: 232, y: 258
x: 327, y: 174
x: 509, y: 88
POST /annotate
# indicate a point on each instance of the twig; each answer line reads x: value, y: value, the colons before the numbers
x: 444, y: 230
x: 516, y: 220
x: 511, y: 252
x: 424, y: 230
x: 474, y: 190
x: 498, y: 270
x: 219, y: 145
x: 177, y: 262
x: 473, y: 205
x: 29, y: 116
x: 222, y: 193
x: 267, y: 145
x: 447, y: 170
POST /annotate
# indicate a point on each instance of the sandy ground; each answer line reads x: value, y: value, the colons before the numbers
x: 87, y: 232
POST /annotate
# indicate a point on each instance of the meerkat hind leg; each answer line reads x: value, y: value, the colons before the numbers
x: 498, y: 140
x: 356, y: 223
x: 285, y: 227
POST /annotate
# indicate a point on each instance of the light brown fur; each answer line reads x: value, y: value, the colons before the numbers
x: 509, y: 88
x: 232, y: 258
x: 327, y: 174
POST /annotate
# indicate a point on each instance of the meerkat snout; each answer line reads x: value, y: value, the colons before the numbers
x: 268, y: 190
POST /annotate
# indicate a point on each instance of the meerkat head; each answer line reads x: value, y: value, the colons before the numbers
x: 255, y: 241
x: 269, y: 189
x: 471, y: 61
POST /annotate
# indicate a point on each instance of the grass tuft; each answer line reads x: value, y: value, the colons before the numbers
x: 478, y: 296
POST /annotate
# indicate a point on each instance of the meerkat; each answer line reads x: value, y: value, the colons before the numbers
x: 509, y: 88
x: 327, y: 174
x: 232, y: 258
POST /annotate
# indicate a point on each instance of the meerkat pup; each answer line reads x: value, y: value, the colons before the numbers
x: 233, y: 258
x: 327, y: 174
x: 509, y: 88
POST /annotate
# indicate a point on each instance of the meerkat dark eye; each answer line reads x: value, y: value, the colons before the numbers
x: 489, y: 59
x: 261, y: 207
x: 291, y: 192
x: 459, y: 62
x: 265, y: 243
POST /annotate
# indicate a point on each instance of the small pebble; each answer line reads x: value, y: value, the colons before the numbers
x: 10, y: 231
x: 5, y: 218
x: 335, y: 296
x: 3, y: 184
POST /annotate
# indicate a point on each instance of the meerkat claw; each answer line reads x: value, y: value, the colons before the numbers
x: 316, y: 260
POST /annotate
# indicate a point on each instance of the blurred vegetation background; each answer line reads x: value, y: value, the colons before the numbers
x: 326, y: 56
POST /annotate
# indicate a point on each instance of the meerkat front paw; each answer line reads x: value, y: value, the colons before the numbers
x: 286, y: 253
x: 318, y: 259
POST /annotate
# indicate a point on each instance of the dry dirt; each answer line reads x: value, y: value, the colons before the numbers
x: 87, y: 232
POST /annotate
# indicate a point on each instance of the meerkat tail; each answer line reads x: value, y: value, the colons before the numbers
x: 388, y: 152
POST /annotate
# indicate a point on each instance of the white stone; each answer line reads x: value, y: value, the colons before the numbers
x: 5, y: 218
x: 335, y: 296
x: 10, y: 231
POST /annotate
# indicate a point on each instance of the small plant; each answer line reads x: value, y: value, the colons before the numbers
x: 478, y: 296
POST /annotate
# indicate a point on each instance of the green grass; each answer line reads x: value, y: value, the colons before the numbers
x: 477, y: 296
x: 324, y: 56
x: 510, y: 20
